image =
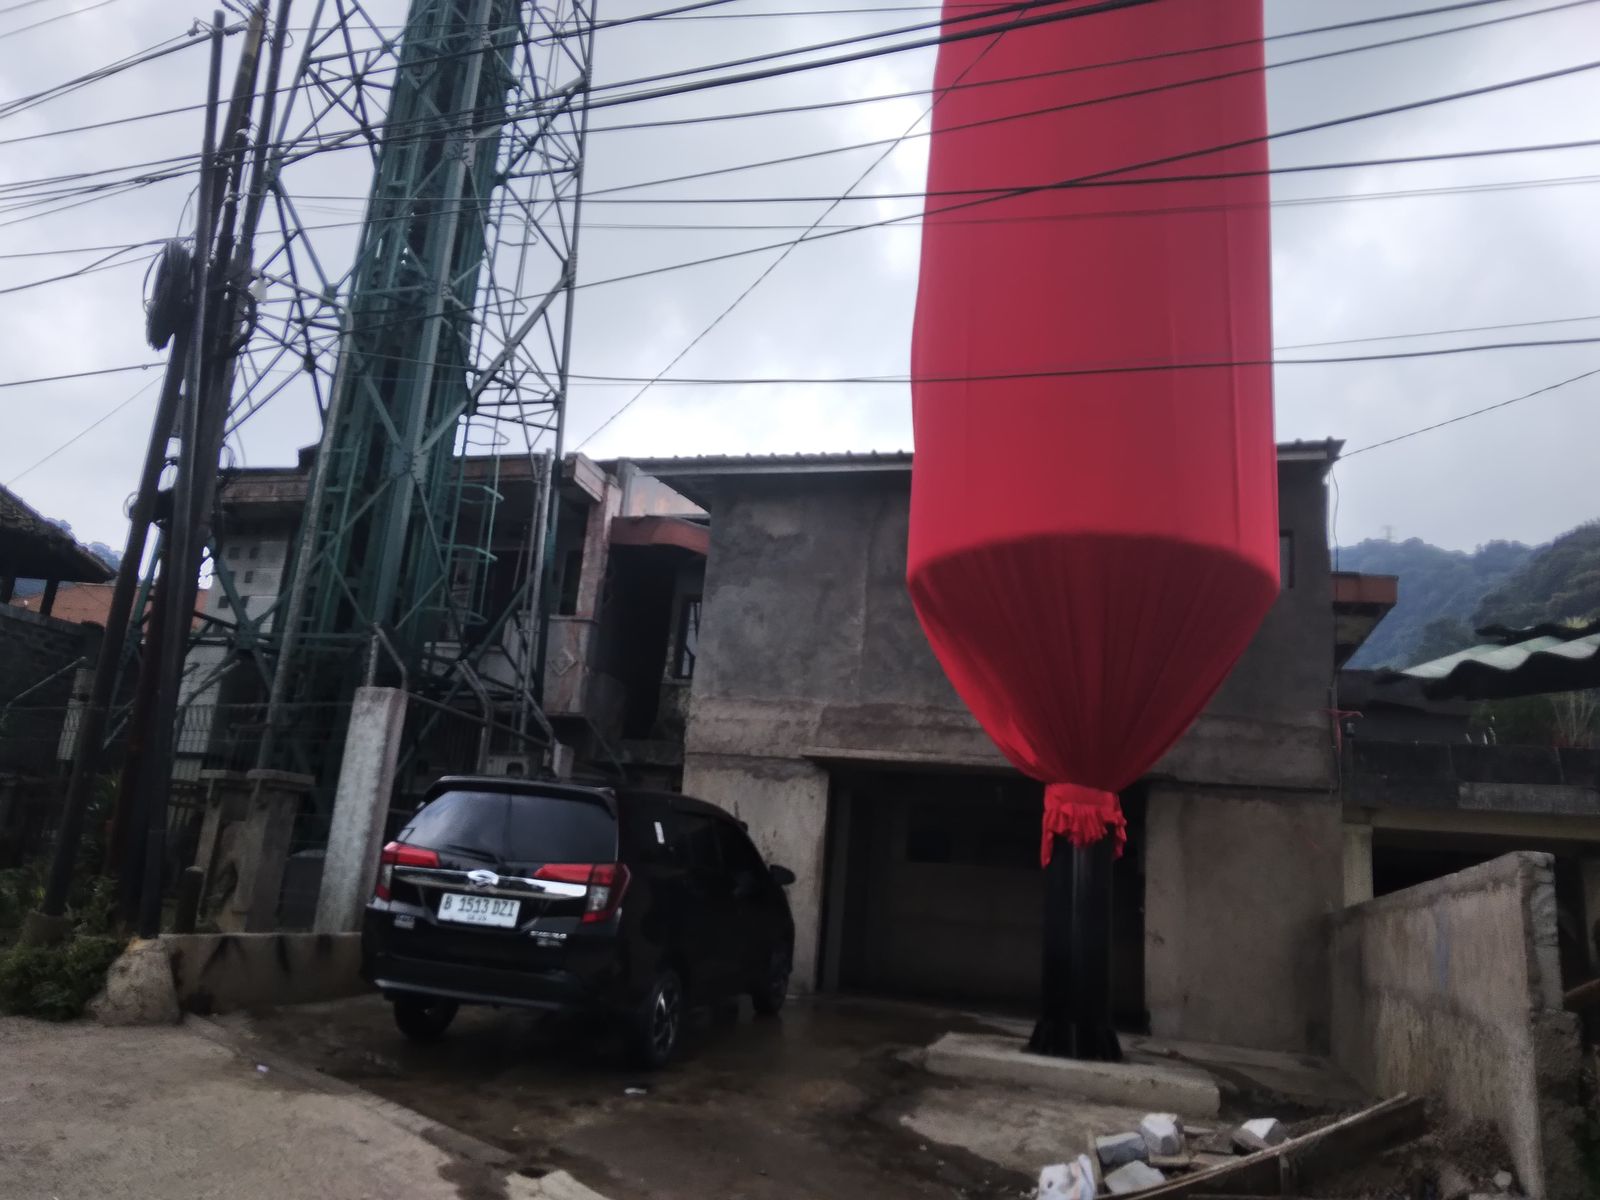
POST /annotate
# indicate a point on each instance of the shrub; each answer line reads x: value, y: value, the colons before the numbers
x: 55, y: 982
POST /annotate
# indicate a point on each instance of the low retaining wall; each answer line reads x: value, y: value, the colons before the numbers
x: 1452, y: 989
x: 224, y: 972
x: 209, y: 973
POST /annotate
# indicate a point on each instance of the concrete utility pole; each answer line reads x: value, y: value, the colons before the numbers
x: 188, y: 309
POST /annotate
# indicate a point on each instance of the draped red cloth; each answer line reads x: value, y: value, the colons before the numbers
x: 1094, y: 537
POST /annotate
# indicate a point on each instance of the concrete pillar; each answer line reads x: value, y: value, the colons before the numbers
x: 784, y: 803
x: 227, y: 795
x: 262, y: 849
x: 82, y: 687
x: 1357, y: 864
x: 360, y: 807
x: 1235, y: 879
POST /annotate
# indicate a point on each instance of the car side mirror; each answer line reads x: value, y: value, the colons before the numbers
x: 782, y: 876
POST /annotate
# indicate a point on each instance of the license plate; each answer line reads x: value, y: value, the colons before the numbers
x: 478, y: 910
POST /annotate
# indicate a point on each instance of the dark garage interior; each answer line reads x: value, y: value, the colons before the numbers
x: 934, y: 891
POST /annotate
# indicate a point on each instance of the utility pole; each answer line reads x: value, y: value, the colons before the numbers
x: 204, y: 418
x: 88, y: 748
x: 179, y: 565
x: 177, y: 313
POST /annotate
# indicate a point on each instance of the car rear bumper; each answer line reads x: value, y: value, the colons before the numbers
x: 387, y: 965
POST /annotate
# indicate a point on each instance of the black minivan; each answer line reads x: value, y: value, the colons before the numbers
x: 622, y: 903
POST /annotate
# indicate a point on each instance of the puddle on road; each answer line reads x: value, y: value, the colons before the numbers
x: 802, y: 1106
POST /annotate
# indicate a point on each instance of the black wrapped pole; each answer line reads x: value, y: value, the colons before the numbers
x: 1075, y: 1010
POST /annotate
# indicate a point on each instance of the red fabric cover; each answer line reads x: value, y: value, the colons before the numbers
x: 1090, y: 555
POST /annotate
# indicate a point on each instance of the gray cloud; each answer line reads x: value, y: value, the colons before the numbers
x: 1341, y: 270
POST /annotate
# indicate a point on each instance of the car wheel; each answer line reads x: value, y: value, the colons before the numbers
x: 424, y: 1020
x: 657, y: 1025
x: 768, y: 995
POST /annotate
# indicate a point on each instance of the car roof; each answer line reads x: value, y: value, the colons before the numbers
x: 612, y: 796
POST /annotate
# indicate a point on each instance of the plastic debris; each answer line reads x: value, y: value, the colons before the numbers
x: 1067, y: 1181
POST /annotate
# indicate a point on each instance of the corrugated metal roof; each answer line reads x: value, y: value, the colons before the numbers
x: 842, y: 458
x: 1321, y: 450
x: 33, y: 548
x: 1518, y: 662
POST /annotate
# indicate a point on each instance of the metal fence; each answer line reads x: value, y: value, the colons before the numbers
x: 37, y: 747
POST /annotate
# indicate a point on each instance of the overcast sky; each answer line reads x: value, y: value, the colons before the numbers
x: 1343, y: 269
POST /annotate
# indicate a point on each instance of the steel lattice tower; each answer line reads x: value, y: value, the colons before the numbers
x: 451, y: 329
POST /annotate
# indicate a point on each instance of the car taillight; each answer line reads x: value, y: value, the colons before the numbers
x: 398, y: 854
x: 606, y: 883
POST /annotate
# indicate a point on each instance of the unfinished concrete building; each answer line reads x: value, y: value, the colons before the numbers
x: 740, y: 627
x: 820, y: 716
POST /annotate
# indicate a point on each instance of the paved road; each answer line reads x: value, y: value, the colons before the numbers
x: 88, y: 1113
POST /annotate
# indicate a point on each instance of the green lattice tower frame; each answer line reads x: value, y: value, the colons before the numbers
x: 452, y: 326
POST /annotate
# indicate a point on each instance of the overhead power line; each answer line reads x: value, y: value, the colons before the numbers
x: 11, y: 33
x: 1088, y: 102
x: 848, y: 101
x: 767, y: 272
x: 1006, y: 80
x: 355, y: 138
x: 1086, y: 371
x: 1477, y: 412
x: 771, y: 227
x: 1099, y: 370
x: 10, y: 383
x: 82, y: 433
x: 13, y: 193
x: 991, y: 197
x: 150, y: 54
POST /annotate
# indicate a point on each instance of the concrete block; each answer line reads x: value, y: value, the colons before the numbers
x: 220, y: 973
x: 1260, y: 1134
x: 1068, y: 1181
x: 557, y: 1185
x: 1163, y: 1134
x: 139, y: 989
x: 360, y: 807
x: 992, y: 1058
x: 1118, y: 1149
x: 1134, y: 1177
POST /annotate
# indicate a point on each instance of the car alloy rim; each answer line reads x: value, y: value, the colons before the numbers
x: 664, y: 1019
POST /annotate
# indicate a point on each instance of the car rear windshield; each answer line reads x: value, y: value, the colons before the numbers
x: 516, y: 827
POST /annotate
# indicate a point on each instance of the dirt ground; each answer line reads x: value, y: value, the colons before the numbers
x: 820, y: 1102
x: 816, y: 1103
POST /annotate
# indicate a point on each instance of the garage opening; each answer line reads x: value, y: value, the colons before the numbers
x: 934, y: 891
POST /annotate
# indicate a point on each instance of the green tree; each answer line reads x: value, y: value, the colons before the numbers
x: 1439, y: 637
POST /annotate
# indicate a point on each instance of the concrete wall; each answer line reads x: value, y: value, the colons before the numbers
x: 1238, y: 886
x: 220, y: 973
x: 32, y: 649
x: 809, y: 641
x: 785, y: 804
x: 1453, y: 989
x: 811, y: 655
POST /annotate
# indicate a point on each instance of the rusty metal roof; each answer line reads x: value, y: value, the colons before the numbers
x: 1324, y: 450
x: 33, y: 548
